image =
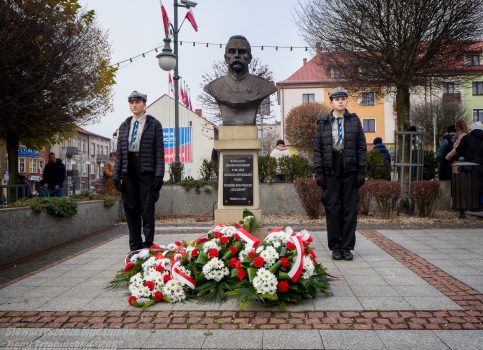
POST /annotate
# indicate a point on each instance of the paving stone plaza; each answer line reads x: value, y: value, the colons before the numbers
x: 405, y: 289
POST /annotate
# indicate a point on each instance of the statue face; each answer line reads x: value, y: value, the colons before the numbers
x: 237, y: 55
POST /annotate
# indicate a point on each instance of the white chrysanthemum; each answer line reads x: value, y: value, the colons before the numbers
x: 215, y: 269
x: 308, y: 268
x: 228, y: 230
x: 269, y: 254
x: 156, y: 277
x: 173, y: 291
x: 265, y: 282
x: 210, y: 245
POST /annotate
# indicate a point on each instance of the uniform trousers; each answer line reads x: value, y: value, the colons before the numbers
x: 341, y: 202
x: 139, y: 199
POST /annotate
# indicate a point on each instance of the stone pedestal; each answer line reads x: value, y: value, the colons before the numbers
x: 238, y: 184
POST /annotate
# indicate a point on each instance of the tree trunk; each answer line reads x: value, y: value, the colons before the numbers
x: 12, y: 141
x: 402, y: 108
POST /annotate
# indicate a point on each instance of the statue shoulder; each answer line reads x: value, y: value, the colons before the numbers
x: 266, y: 86
x: 214, y: 85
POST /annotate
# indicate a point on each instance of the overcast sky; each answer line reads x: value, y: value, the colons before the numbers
x: 136, y: 26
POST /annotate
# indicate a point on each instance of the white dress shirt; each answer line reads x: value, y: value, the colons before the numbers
x: 135, y: 146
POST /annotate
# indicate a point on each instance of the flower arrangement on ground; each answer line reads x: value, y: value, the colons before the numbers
x: 228, y: 261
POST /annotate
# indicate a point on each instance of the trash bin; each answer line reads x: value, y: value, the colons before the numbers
x: 464, y: 187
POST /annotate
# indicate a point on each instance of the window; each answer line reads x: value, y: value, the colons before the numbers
x: 41, y: 165
x: 472, y: 60
x: 32, y: 168
x: 93, y: 149
x: 368, y: 99
x: 448, y: 88
x: 477, y: 88
x: 21, y: 165
x: 336, y: 73
x: 478, y: 115
x: 369, y: 125
x: 308, y: 98
x: 106, y: 150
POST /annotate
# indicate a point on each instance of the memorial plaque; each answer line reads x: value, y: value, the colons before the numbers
x: 237, y: 180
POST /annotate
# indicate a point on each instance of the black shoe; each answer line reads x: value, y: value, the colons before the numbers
x: 336, y: 254
x: 347, y: 255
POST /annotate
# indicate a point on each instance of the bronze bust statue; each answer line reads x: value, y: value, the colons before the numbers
x: 239, y: 94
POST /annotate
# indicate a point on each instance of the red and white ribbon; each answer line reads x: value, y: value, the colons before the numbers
x: 248, y: 238
x: 180, y: 276
x: 298, y: 264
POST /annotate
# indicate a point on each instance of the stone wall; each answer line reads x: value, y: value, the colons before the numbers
x: 24, y: 232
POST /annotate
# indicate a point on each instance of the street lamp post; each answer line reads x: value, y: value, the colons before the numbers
x: 167, y: 60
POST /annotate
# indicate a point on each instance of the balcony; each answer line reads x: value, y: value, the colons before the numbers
x: 71, y: 151
x: 101, y: 158
x: 452, y: 97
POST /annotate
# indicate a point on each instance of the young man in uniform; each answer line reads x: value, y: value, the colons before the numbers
x: 340, y: 154
x: 139, y: 170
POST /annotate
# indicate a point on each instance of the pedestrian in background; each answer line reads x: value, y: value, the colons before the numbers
x: 340, y: 155
x: 108, y: 171
x: 380, y: 147
x: 445, y: 147
x: 278, y: 152
x: 461, y: 130
x: 471, y: 149
x: 53, y: 177
x: 139, y: 170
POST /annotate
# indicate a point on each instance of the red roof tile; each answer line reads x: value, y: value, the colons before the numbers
x: 310, y: 72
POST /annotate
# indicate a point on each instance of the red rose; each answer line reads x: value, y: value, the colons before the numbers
x: 238, y: 265
x: 128, y: 266
x: 282, y: 286
x: 285, y: 262
x: 290, y: 246
x: 201, y: 240
x: 251, y: 255
x: 224, y: 240
x: 310, y: 239
x: 149, y: 284
x: 217, y: 234
x: 158, y: 256
x: 178, y: 243
x: 131, y: 299
x: 233, y: 262
x: 195, y: 252
x: 158, y: 296
x: 258, y: 262
x: 167, y: 278
x: 236, y: 236
x: 306, y: 244
x: 241, y: 274
x: 155, y: 246
x: 160, y: 268
x: 237, y: 225
x: 213, y: 253
x: 232, y: 249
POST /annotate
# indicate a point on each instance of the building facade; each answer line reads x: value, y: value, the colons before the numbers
x: 196, y: 135
x: 313, y: 82
x: 84, y: 155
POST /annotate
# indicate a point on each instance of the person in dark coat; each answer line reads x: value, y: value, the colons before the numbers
x: 380, y: 147
x: 444, y: 148
x: 340, y: 156
x: 53, y: 176
x: 471, y: 149
x: 139, y: 170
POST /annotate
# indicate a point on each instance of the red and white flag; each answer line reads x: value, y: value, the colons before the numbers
x: 191, y: 18
x: 183, y: 96
x: 166, y: 21
x: 190, y: 106
x: 170, y: 81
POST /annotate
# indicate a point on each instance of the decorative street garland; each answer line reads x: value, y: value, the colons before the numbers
x: 228, y: 261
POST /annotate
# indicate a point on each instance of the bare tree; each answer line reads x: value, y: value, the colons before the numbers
x: 301, y: 124
x: 444, y: 113
x: 270, y: 137
x: 391, y: 43
x: 219, y: 69
x: 55, y: 73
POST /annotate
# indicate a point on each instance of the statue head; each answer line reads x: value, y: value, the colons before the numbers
x: 238, y: 54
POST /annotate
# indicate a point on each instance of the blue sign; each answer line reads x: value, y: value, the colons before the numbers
x: 27, y: 152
